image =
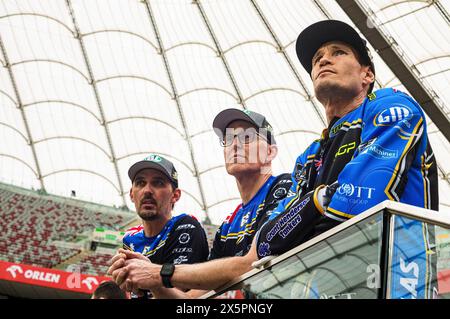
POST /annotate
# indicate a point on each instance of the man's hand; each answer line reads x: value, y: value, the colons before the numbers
x: 118, y: 261
x: 138, y: 274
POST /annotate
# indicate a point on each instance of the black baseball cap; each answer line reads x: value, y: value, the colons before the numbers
x: 319, y: 33
x: 155, y: 161
x: 224, y: 118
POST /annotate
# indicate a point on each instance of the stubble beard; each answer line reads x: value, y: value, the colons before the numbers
x: 148, y: 215
x: 331, y: 91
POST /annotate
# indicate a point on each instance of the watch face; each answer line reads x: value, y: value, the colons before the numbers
x: 167, y: 270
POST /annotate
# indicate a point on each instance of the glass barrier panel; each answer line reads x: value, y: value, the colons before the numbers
x: 345, y: 265
x: 419, y: 265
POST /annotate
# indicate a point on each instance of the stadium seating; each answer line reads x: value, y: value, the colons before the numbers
x: 94, y: 264
x: 29, y: 223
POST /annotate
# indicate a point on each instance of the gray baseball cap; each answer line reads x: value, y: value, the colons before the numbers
x: 155, y: 161
x: 224, y: 118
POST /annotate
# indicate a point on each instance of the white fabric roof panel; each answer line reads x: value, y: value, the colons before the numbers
x: 87, y: 133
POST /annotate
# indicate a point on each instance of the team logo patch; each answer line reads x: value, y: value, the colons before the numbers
x: 279, y: 193
x: 184, y: 238
x: 153, y: 158
x: 264, y: 249
x: 392, y: 115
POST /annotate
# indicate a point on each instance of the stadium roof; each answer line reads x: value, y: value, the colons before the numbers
x: 89, y: 87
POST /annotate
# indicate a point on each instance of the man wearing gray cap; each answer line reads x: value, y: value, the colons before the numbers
x: 249, y: 148
x: 375, y: 148
x: 162, y: 238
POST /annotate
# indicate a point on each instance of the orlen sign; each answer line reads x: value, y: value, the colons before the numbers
x: 51, y: 278
x: 14, y: 270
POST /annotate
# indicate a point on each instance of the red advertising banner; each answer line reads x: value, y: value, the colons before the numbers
x: 50, y: 278
x: 444, y: 281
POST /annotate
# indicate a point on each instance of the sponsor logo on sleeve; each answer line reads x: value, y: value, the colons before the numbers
x: 354, y: 194
x: 182, y: 250
x: 379, y: 152
x: 185, y: 226
x: 264, y: 249
x: 287, y: 221
x: 184, y: 238
x: 180, y: 260
x: 345, y: 149
x: 392, y: 115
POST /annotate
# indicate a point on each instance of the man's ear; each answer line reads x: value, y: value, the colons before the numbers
x: 272, y: 152
x: 176, y: 195
x: 369, y: 76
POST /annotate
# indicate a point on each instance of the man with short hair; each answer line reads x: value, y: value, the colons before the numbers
x: 375, y: 148
x: 162, y: 237
x: 249, y: 148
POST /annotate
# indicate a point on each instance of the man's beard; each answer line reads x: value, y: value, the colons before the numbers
x: 148, y: 216
x: 334, y: 91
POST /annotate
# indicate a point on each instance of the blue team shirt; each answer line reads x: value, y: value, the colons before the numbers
x: 385, y: 154
x: 234, y: 237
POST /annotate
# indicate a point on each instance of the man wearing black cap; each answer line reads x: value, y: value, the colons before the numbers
x: 162, y: 238
x: 375, y: 148
x: 249, y: 147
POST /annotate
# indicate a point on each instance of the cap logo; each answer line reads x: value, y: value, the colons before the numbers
x: 175, y: 175
x: 248, y: 112
x: 153, y: 158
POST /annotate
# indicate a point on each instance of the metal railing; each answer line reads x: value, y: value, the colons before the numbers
x: 389, y: 209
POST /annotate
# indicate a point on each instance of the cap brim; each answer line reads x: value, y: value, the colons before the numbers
x: 317, y: 34
x: 139, y: 166
x: 224, y: 118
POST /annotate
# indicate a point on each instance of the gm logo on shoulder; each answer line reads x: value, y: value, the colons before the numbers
x: 392, y: 115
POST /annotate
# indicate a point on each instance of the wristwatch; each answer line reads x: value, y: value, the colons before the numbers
x: 166, y: 273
